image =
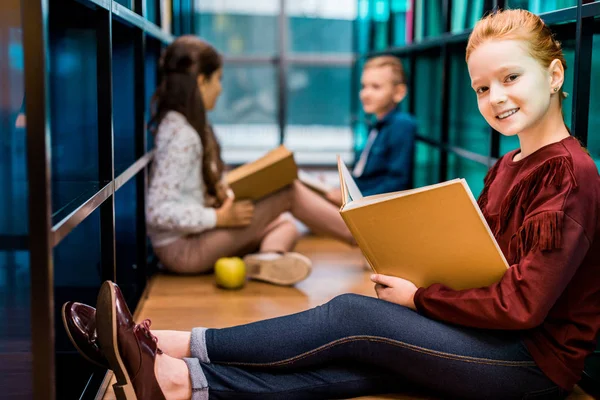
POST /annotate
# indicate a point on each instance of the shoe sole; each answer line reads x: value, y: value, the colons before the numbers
x: 106, y: 324
x: 288, y: 270
x: 64, y: 319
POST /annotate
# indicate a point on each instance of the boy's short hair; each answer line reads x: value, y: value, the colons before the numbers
x: 393, y: 62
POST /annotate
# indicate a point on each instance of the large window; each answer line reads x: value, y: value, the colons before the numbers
x: 239, y: 27
x: 245, y: 117
x: 318, y: 113
x: 282, y: 92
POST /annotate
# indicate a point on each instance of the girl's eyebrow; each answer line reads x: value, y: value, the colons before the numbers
x: 502, y: 69
x: 508, y: 67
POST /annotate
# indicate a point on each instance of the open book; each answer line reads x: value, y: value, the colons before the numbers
x: 433, y: 234
x: 268, y: 174
x: 314, y: 183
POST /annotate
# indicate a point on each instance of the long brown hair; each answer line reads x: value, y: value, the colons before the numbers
x: 180, y: 65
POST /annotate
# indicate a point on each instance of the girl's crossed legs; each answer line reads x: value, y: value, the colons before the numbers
x: 269, y: 231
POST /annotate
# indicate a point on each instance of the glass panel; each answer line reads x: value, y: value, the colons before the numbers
x: 126, y: 241
x: 318, y: 122
x: 427, y: 164
x: 73, y: 108
x: 540, y: 6
x: 472, y: 171
x: 126, y: 3
x: 151, y: 66
x: 315, y: 27
x: 77, y: 277
x: 510, y: 143
x: 593, y: 144
x: 123, y: 97
x: 239, y: 26
x: 465, y: 13
x: 245, y: 117
x: 151, y: 11
x: 468, y: 129
x: 429, y: 21
x: 15, y: 336
x: 428, y: 96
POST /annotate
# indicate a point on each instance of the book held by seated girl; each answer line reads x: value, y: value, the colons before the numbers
x: 433, y: 234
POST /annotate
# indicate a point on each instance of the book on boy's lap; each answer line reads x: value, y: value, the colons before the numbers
x: 433, y: 234
x: 270, y: 173
x: 314, y: 183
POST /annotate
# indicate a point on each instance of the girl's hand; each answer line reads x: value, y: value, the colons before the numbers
x: 395, y: 290
x: 235, y: 213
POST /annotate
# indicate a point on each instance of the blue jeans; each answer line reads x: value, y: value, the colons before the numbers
x: 356, y: 345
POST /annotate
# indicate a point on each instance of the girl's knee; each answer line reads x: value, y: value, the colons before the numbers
x: 351, y: 303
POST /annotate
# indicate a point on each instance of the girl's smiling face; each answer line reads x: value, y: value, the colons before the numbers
x: 513, y: 90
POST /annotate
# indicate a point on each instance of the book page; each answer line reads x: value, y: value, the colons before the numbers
x: 313, y: 182
x: 353, y: 192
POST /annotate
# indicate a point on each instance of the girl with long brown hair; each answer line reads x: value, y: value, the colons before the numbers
x: 192, y: 217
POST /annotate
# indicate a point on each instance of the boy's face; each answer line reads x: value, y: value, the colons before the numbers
x: 379, y: 92
x: 513, y: 90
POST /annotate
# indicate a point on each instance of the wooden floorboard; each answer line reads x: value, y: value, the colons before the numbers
x: 182, y: 303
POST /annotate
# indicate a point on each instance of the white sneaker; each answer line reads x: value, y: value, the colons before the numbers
x: 280, y: 269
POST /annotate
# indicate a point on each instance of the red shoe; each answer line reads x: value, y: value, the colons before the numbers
x: 129, y: 348
x: 80, y: 323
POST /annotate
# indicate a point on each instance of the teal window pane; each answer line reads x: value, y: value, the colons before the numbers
x: 540, y: 6
x: 318, y: 35
x: 510, y: 143
x: 245, y: 116
x: 151, y: 11
x: 429, y: 21
x: 472, y: 171
x: 426, y: 165
x: 318, y: 122
x: 465, y: 14
x: 126, y: 3
x: 428, y: 96
x: 593, y: 144
x: 236, y: 30
x: 468, y: 129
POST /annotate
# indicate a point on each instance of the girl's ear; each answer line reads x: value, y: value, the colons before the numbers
x: 201, y: 80
x: 557, y: 75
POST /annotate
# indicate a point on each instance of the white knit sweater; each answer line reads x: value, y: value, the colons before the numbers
x: 175, y: 201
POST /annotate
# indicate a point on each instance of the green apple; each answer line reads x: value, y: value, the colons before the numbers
x: 230, y: 272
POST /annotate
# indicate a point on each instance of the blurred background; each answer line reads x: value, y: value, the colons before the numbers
x: 73, y: 166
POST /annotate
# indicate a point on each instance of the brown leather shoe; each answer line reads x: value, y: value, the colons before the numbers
x: 80, y: 323
x: 130, y: 349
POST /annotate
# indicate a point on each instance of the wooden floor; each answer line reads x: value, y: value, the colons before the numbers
x: 182, y: 303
